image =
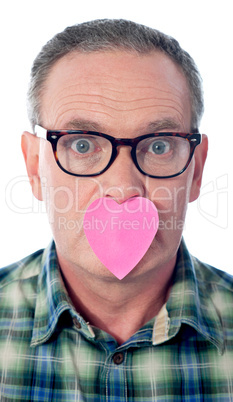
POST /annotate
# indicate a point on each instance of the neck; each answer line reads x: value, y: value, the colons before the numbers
x: 119, y: 308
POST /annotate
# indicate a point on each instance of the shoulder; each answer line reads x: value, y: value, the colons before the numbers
x: 24, y: 269
x: 212, y: 278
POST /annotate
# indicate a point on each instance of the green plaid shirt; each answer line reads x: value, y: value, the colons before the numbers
x: 49, y: 353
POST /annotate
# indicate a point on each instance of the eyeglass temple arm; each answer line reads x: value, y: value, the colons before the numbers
x: 40, y: 132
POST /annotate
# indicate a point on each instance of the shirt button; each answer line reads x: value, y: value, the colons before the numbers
x: 76, y: 323
x: 118, y: 358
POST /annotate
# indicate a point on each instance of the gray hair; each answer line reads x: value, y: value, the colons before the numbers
x: 105, y: 35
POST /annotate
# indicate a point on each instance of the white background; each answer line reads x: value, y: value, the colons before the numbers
x: 203, y: 28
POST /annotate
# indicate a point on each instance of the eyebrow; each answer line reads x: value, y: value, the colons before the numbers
x: 83, y: 124
x: 168, y: 124
x: 163, y: 124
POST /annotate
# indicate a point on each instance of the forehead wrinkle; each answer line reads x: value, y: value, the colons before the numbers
x: 122, y: 87
x: 129, y: 93
x: 106, y: 106
x: 74, y: 111
x: 95, y: 126
x: 119, y: 108
x: 116, y: 106
x: 108, y: 97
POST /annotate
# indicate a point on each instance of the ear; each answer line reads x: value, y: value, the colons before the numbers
x: 30, y: 145
x: 200, y: 158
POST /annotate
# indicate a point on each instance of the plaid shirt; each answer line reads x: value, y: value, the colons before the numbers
x: 49, y: 353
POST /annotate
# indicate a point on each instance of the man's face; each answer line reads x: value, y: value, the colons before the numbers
x: 124, y: 95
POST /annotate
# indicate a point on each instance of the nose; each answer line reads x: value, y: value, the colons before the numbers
x: 123, y: 180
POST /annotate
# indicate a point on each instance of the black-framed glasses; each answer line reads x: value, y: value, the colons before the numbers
x: 90, y: 153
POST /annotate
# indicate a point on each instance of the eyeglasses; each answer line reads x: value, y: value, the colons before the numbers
x: 89, y: 153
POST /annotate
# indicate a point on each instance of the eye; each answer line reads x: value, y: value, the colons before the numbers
x: 83, y: 146
x: 159, y: 147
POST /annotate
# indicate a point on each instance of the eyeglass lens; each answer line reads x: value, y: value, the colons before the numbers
x: 87, y: 154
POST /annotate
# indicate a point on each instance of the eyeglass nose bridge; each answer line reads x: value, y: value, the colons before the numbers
x: 128, y: 142
x: 125, y: 142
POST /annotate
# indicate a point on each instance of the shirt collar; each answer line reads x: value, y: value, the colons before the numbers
x: 188, y: 304
x: 53, y: 301
x: 190, y: 301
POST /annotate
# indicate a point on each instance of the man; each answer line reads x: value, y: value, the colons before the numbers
x: 70, y: 329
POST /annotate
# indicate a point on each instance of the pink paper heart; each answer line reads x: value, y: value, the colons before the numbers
x: 120, y: 234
